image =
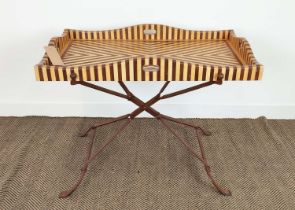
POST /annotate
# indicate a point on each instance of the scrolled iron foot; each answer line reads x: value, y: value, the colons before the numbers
x: 83, y: 135
x: 205, y: 133
x: 225, y: 192
x: 86, y: 133
x: 65, y: 194
x: 221, y: 190
x: 95, y: 126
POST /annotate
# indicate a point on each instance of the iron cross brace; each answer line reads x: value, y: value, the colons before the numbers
x: 144, y: 106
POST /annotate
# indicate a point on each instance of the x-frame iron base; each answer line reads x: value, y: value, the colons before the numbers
x: 144, y: 106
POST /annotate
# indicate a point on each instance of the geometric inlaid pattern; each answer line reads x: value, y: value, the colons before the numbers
x: 204, y: 52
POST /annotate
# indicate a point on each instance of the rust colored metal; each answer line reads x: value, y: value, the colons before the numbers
x: 223, y: 191
x: 206, y: 133
x: 145, y: 106
x: 96, y: 125
x: 90, y: 157
x: 184, y: 142
x: 67, y: 193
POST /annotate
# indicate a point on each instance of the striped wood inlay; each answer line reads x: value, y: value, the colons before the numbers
x: 120, y: 54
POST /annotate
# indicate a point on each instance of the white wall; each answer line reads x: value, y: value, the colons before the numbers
x: 27, y: 26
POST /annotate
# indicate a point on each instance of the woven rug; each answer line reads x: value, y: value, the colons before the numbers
x: 146, y: 167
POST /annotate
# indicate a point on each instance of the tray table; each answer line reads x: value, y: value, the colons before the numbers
x: 147, y: 52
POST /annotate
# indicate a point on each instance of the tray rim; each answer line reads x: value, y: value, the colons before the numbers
x: 236, y: 44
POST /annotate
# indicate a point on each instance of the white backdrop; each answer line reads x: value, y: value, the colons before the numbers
x: 27, y: 26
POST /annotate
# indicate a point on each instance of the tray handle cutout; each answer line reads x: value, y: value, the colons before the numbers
x: 53, y: 55
x: 150, y: 68
x: 149, y: 31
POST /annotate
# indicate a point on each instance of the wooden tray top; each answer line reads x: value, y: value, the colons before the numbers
x: 150, y: 52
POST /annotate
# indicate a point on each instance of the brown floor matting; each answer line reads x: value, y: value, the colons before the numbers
x: 146, y: 167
